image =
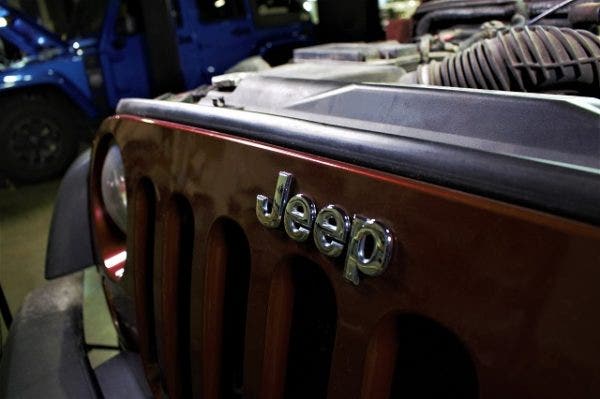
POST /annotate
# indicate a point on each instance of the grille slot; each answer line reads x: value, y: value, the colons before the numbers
x: 143, y: 230
x: 431, y: 362
x: 227, y: 280
x: 301, y: 332
x: 176, y: 266
x: 413, y: 356
x: 313, y: 332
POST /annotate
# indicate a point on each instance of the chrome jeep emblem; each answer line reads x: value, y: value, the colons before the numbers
x: 331, y: 230
x: 299, y: 217
x: 270, y: 212
x: 369, y: 250
x: 369, y: 243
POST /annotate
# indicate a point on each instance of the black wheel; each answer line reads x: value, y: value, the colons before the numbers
x: 38, y: 135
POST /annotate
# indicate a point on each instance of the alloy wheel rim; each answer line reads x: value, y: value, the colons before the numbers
x: 35, y: 142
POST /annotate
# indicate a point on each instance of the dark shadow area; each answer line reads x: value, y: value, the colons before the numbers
x: 313, y: 332
x: 431, y: 362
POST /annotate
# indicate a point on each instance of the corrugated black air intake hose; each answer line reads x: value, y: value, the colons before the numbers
x: 531, y: 59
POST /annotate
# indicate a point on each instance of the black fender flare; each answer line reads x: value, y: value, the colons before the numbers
x: 70, y: 246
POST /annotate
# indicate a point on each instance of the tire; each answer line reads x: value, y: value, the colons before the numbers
x: 38, y: 135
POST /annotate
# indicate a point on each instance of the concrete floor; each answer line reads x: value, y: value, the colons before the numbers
x: 25, y: 214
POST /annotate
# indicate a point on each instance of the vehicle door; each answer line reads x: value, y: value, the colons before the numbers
x: 122, y: 53
x: 213, y: 36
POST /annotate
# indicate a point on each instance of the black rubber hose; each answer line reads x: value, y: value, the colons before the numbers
x: 528, y: 59
x: 461, y: 15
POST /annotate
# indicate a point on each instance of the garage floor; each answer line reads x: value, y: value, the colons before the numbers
x: 25, y: 214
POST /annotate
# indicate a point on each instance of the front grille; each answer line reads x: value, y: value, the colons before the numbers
x: 227, y: 308
x: 301, y: 317
x: 224, y: 312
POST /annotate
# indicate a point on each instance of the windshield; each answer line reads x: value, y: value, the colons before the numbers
x: 66, y: 18
x: 281, y: 12
x: 274, y: 7
x: 8, y: 53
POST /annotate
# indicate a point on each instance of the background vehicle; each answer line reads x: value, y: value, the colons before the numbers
x: 50, y: 88
x: 458, y: 259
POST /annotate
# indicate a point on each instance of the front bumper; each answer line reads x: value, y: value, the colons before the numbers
x: 45, y: 355
x: 45, y: 352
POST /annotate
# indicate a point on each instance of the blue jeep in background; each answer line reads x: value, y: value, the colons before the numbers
x: 51, y: 87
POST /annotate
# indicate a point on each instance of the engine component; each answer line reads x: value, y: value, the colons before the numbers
x: 435, y: 16
x: 405, y: 55
x: 538, y: 59
x: 586, y: 13
x: 550, y: 11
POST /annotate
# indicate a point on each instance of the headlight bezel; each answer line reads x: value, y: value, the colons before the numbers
x: 109, y: 238
x: 113, y: 187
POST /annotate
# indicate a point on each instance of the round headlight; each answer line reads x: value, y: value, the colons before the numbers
x: 114, y: 190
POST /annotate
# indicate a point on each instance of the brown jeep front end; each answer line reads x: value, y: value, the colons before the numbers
x: 489, y: 289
